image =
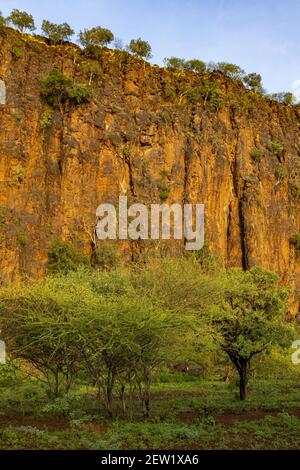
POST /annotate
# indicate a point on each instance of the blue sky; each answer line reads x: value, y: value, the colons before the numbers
x: 259, y: 35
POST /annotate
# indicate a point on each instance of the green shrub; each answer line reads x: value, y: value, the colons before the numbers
x: 106, y: 256
x: 46, y: 119
x: 295, y: 240
x: 213, y: 96
x: 276, y: 148
x: 257, y: 154
x: 281, y: 173
x: 164, y: 190
x: 58, y: 90
x: 63, y: 257
x: 17, y: 52
x: 295, y: 190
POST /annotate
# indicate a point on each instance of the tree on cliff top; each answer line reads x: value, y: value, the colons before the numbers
x: 57, y: 33
x: 22, y: 20
x: 2, y: 19
x: 140, y: 48
x: 250, y: 321
x: 95, y: 37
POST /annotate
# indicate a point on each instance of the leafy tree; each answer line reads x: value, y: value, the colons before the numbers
x: 230, y: 70
x: 253, y: 81
x: 63, y: 257
x: 22, y: 20
x: 283, y: 97
x: 2, y: 19
x: 33, y: 318
x: 58, y: 90
x: 96, y: 37
x: 57, y: 33
x: 195, y: 65
x: 93, y: 69
x: 250, y: 321
x: 140, y: 48
x: 174, y: 63
x: 213, y: 96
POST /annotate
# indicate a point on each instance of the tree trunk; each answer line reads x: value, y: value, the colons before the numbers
x: 243, y: 372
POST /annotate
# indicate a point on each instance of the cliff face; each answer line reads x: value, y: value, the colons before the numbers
x: 146, y: 131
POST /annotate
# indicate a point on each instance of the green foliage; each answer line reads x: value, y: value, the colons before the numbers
x: 63, y: 257
x: 253, y: 81
x: 17, y: 51
x: 276, y: 148
x: 283, y: 97
x: 106, y: 256
x: 96, y: 37
x: 47, y: 119
x: 140, y: 48
x: 174, y: 63
x: 164, y: 190
x: 257, y: 154
x: 208, y: 262
x: 250, y: 321
x: 58, y: 90
x: 230, y: 70
x: 22, y: 20
x: 213, y: 96
x: 295, y: 240
x: 295, y: 189
x: 195, y: 65
x: 57, y: 33
x: 2, y: 19
x: 281, y: 173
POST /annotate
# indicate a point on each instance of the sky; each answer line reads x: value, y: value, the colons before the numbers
x: 259, y: 35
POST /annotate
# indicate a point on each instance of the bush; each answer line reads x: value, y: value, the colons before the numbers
x: 58, y: 90
x: 295, y: 240
x: 63, y: 257
x: 46, y: 119
x: 276, y: 148
x: 257, y: 154
x: 106, y: 256
x: 164, y: 191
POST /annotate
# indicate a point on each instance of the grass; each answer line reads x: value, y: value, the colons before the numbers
x: 199, y: 414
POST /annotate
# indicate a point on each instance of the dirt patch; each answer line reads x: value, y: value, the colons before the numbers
x: 47, y: 423
x: 227, y: 419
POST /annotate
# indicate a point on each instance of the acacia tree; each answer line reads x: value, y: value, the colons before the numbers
x: 95, y: 37
x: 57, y: 33
x: 33, y: 321
x: 174, y: 63
x: 195, y: 65
x: 230, y: 70
x: 22, y: 20
x: 140, y: 48
x: 250, y: 321
x: 283, y: 97
x: 253, y: 81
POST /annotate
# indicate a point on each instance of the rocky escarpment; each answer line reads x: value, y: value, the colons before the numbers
x: 152, y: 134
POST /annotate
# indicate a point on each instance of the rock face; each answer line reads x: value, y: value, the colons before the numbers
x: 153, y: 135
